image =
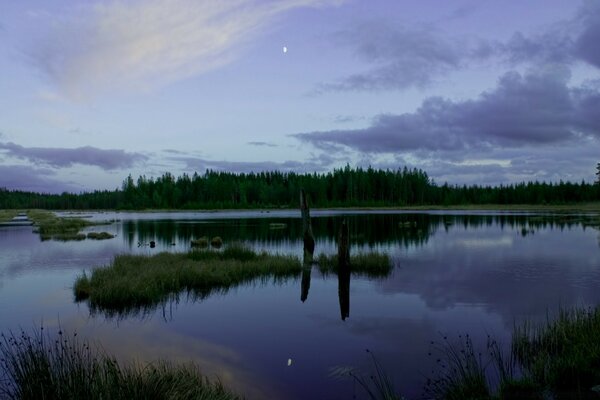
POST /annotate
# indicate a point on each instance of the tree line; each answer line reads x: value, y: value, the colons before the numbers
x: 345, y: 187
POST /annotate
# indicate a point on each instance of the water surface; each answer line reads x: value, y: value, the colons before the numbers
x: 454, y: 272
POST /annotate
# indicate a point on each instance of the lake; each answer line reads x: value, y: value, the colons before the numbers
x: 476, y: 272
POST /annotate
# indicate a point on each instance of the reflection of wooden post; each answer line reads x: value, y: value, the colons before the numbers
x: 305, y: 285
x: 309, y: 239
x: 344, y: 245
x: 344, y: 270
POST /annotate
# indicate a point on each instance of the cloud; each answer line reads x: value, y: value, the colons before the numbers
x: 401, y: 57
x: 318, y: 163
x: 41, y: 180
x: 264, y: 144
x: 64, y: 157
x: 533, y: 109
x: 151, y: 43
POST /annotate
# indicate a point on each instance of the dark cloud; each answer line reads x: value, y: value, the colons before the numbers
x: 399, y: 57
x: 41, y: 180
x: 402, y: 57
x: 534, y: 109
x: 63, y: 157
x: 265, y: 144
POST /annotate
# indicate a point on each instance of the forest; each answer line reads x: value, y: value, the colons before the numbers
x: 345, y: 187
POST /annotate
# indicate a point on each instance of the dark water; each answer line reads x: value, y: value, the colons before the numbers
x: 453, y: 273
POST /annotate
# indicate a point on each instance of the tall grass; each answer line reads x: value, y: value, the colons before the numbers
x: 562, y: 354
x: 559, y: 359
x: 41, y: 366
x: 369, y: 264
x: 137, y: 282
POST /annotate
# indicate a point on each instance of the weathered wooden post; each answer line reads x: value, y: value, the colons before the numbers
x: 309, y: 239
x: 344, y: 270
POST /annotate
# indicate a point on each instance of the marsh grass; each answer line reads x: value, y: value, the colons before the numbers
x: 216, y: 242
x: 559, y: 359
x: 7, y: 215
x: 49, y: 226
x: 376, y: 384
x: 60, y: 366
x: 137, y: 283
x: 562, y: 354
x: 200, y: 242
x: 100, y: 235
x: 369, y: 264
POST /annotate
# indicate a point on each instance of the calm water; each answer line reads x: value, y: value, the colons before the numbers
x: 453, y: 273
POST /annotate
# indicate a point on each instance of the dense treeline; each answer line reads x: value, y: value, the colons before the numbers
x: 345, y: 187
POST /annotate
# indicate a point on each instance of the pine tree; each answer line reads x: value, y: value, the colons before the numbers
x: 598, y: 174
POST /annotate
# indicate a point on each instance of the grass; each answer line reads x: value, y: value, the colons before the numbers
x: 200, y: 242
x: 216, y: 242
x: 41, y: 366
x: 559, y: 359
x: 377, y: 385
x: 49, y: 226
x: 368, y: 264
x: 136, y: 282
x: 100, y: 235
x: 564, y: 354
x: 7, y: 215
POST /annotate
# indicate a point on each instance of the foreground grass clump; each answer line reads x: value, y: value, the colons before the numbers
x: 369, y: 264
x: 134, y: 282
x: 559, y: 360
x: 562, y: 355
x: 41, y: 366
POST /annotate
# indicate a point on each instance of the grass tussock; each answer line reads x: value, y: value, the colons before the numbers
x: 368, y: 264
x: 136, y: 282
x: 559, y: 359
x: 7, y: 215
x: 562, y: 354
x: 200, y: 242
x: 41, y: 366
x: 216, y: 242
x: 49, y: 226
x: 100, y: 235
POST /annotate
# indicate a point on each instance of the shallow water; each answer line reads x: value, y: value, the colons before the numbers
x: 454, y: 273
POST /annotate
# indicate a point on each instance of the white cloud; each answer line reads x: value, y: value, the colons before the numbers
x: 151, y: 43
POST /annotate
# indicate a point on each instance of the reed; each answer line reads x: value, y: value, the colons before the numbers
x: 60, y: 366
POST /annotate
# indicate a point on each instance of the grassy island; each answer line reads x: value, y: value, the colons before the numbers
x: 137, y: 281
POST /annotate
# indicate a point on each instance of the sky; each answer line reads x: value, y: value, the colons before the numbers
x: 471, y: 91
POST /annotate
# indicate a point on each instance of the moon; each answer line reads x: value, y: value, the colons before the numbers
x: 285, y: 49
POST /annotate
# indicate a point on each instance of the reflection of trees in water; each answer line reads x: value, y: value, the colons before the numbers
x: 402, y: 229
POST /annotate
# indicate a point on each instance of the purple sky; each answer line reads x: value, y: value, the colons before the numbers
x: 472, y: 91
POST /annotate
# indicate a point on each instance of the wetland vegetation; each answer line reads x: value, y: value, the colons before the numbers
x: 60, y: 366
x: 558, y: 359
x: 139, y: 282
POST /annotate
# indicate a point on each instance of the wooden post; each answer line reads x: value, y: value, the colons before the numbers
x: 344, y: 270
x: 309, y: 239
